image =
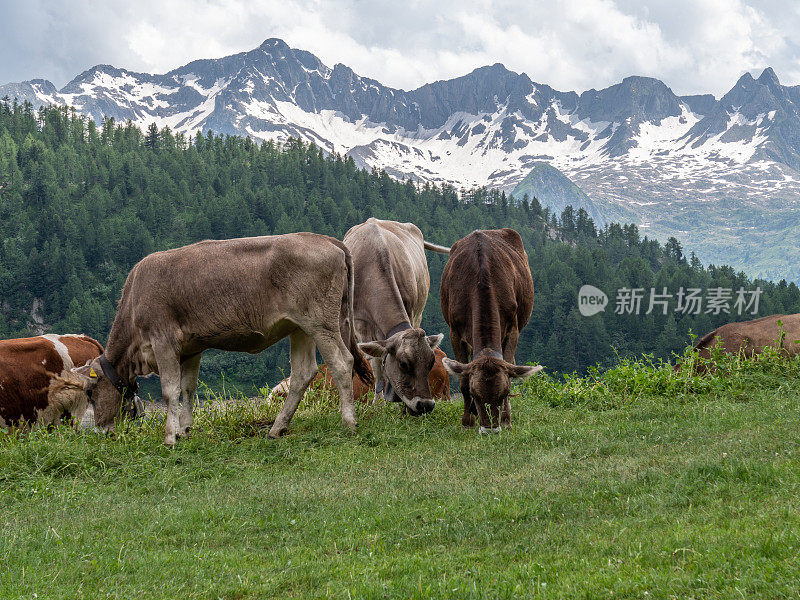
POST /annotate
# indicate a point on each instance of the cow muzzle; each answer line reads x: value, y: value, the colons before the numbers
x: 420, y: 406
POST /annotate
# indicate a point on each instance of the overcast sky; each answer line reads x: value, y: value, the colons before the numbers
x: 694, y: 46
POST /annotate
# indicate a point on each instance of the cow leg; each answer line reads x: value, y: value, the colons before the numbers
x: 340, y: 365
x: 505, y: 414
x: 303, y: 368
x: 468, y: 417
x: 190, y: 369
x: 377, y: 370
x: 494, y: 413
x: 510, y: 346
x: 169, y: 370
x: 461, y: 353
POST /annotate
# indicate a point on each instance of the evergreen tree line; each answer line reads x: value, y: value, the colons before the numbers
x: 81, y: 203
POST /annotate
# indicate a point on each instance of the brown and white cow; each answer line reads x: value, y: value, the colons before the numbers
x: 36, y: 386
x: 241, y: 295
x: 749, y: 338
x: 438, y: 380
x: 487, y: 298
x: 391, y: 289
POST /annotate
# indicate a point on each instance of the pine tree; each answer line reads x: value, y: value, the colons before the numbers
x: 151, y: 138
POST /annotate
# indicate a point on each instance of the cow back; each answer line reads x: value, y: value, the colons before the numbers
x: 391, y: 275
x: 487, y: 287
x: 751, y: 337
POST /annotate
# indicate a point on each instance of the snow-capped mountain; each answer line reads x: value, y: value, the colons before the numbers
x: 722, y: 175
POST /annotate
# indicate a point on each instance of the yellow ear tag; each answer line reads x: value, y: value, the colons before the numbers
x: 92, y: 373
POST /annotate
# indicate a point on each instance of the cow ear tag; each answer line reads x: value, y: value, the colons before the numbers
x: 92, y: 373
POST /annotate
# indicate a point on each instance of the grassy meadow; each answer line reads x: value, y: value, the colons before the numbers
x: 634, y: 483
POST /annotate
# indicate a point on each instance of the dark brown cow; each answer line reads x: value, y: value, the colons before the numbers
x: 391, y: 289
x: 438, y: 380
x: 240, y: 295
x: 32, y: 375
x: 751, y: 337
x: 487, y: 298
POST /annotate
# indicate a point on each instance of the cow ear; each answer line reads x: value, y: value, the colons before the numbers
x: 434, y: 340
x: 86, y: 371
x: 522, y: 371
x: 376, y: 349
x: 454, y: 367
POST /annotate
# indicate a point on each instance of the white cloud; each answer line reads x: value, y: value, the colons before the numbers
x: 694, y: 46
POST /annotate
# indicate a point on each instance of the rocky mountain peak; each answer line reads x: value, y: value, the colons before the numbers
x: 769, y: 78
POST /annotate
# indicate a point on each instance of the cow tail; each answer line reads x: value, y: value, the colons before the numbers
x: 436, y: 248
x: 360, y: 365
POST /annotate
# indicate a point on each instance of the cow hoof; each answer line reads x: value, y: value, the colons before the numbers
x: 468, y: 422
x: 487, y: 430
x: 169, y: 440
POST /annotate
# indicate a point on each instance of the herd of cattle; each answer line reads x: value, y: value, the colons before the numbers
x: 361, y: 296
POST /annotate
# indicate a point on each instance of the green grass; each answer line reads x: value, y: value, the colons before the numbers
x: 635, y: 483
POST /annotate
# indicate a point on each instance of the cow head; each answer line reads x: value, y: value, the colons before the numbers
x: 489, y: 378
x: 67, y: 394
x: 106, y: 400
x: 407, y: 361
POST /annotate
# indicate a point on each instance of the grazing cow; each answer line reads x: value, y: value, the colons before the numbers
x: 240, y: 295
x: 391, y: 289
x: 36, y: 386
x: 751, y: 337
x: 487, y: 298
x: 438, y: 380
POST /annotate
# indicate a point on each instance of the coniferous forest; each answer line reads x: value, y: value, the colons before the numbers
x: 81, y: 203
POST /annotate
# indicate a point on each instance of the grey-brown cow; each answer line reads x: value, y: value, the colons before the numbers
x: 241, y: 295
x: 391, y: 289
x: 487, y: 298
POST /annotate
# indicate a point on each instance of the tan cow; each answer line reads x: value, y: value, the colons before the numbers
x: 487, y: 298
x: 391, y: 289
x: 241, y: 295
x: 751, y: 337
x: 36, y: 386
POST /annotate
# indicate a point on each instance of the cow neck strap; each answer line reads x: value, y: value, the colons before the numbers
x: 127, y: 390
x: 399, y: 327
x: 491, y: 352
